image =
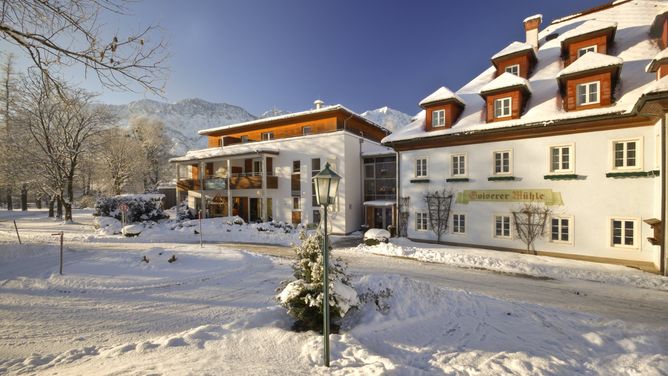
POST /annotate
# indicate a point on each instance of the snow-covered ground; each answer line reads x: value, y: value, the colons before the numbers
x: 510, y: 262
x: 213, y: 311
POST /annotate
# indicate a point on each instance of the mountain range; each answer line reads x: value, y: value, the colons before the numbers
x: 184, y: 118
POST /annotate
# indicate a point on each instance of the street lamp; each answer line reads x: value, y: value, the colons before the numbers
x: 326, y: 188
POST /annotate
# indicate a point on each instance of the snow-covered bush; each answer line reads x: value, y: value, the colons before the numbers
x: 304, y: 297
x: 376, y: 236
x: 107, y: 225
x: 132, y: 230
x: 140, y: 207
x: 184, y: 213
x: 234, y: 220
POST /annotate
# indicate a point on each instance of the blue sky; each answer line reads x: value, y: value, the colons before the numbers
x: 362, y: 54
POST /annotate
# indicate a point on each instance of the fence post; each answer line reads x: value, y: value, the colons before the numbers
x: 200, y: 229
x: 61, y: 249
x: 17, y: 231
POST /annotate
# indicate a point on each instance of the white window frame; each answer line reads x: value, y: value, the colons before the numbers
x: 586, y: 85
x: 639, y: 154
x: 510, y: 162
x: 440, y: 117
x: 571, y: 227
x: 460, y: 174
x: 244, y: 139
x: 503, y: 113
x: 584, y: 50
x: 267, y: 136
x: 421, y: 218
x: 416, y: 171
x: 571, y: 160
x: 510, y: 226
x: 636, y: 232
x: 454, y: 227
x: 510, y: 68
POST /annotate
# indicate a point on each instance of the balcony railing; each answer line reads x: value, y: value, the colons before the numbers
x: 236, y: 181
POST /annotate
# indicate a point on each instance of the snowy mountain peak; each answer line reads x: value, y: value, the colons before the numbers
x: 387, y: 117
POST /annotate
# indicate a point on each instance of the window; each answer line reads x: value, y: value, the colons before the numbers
x: 459, y: 165
x: 502, y: 107
x: 588, y: 93
x: 266, y: 136
x: 421, y: 168
x: 502, y: 162
x: 623, y: 232
x: 306, y: 131
x: 562, y: 159
x: 584, y: 50
x: 244, y: 139
x: 316, y: 216
x: 560, y: 230
x: 459, y: 223
x: 296, y: 203
x: 315, y: 168
x: 438, y: 118
x: 296, y: 179
x: 626, y: 154
x: 421, y: 221
x: 257, y: 168
x: 220, y: 142
x: 513, y: 69
x: 502, y: 226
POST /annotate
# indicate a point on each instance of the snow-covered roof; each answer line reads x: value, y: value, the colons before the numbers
x: 588, y: 27
x: 653, y: 65
x: 632, y: 46
x: 539, y: 16
x: 227, y: 151
x: 441, y: 95
x: 660, y: 86
x: 590, y: 61
x: 324, y: 109
x: 513, y: 48
x: 505, y: 81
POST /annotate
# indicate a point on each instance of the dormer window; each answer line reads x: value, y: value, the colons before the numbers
x: 590, y: 36
x: 588, y: 93
x: 517, y: 58
x: 438, y: 118
x: 442, y: 108
x: 506, y: 97
x: 590, y: 81
x: 584, y: 50
x: 513, y: 69
x: 503, y: 107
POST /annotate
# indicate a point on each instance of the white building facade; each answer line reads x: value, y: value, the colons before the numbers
x: 262, y: 170
x: 573, y: 121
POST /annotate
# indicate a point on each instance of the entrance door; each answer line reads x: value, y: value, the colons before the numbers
x: 382, y: 217
x: 240, y: 207
x: 254, y: 209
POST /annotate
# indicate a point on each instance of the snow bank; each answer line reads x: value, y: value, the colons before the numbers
x: 509, y: 262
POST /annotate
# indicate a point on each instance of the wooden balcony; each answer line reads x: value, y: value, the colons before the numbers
x: 237, y: 181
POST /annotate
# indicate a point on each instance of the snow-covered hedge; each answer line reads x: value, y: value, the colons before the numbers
x: 140, y: 207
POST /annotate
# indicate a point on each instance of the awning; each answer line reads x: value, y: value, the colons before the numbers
x: 380, y: 203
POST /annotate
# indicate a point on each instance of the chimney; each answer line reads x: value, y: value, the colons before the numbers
x: 531, y: 25
x: 318, y: 104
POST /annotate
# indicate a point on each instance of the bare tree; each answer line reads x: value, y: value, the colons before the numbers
x: 155, y: 147
x: 7, y: 99
x: 65, y: 33
x: 438, y: 205
x: 529, y: 223
x: 62, y: 128
x: 118, y: 159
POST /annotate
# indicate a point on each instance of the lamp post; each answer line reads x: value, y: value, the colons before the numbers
x: 326, y: 188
